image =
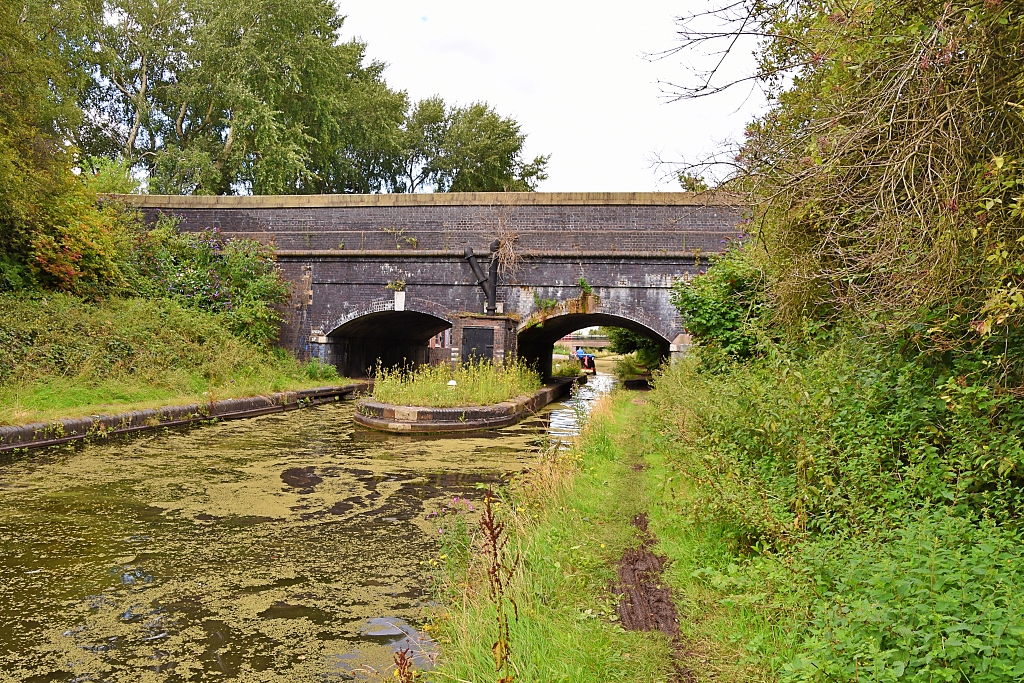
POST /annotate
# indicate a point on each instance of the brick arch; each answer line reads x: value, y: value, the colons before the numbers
x: 638, y: 315
x: 377, y: 334
x: 632, y: 315
x: 388, y: 304
x: 537, y: 337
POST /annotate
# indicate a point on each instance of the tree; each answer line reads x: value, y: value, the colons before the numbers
x: 623, y: 340
x: 261, y: 96
x: 257, y: 95
x: 886, y: 177
x: 51, y: 230
x: 465, y: 149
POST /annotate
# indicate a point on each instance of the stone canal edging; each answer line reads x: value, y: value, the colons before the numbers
x: 42, y: 434
x: 421, y: 420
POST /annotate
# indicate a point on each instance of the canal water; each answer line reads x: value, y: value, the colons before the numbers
x: 288, y: 547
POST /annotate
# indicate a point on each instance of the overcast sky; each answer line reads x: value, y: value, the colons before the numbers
x: 572, y: 73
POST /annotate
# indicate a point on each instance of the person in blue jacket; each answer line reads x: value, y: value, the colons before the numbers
x: 586, y: 360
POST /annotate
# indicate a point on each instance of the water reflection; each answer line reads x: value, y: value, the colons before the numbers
x: 286, y: 547
x: 565, y: 419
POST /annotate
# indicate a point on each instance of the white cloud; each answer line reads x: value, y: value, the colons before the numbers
x: 572, y: 73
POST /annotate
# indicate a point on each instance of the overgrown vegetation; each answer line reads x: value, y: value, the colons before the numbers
x: 478, y: 383
x: 543, y: 305
x: 850, y: 417
x: 837, y: 470
x: 645, y: 350
x: 629, y: 367
x: 869, y: 502
x: 566, y: 367
x: 567, y: 520
x: 61, y: 355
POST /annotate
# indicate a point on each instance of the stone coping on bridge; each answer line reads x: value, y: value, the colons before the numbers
x: 43, y: 434
x: 424, y: 420
x: 460, y: 254
x: 171, y: 202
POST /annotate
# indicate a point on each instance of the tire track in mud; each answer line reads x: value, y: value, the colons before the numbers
x: 645, y: 602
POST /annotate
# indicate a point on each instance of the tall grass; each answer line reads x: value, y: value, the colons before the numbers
x: 568, y: 521
x: 476, y: 384
x: 64, y: 356
x: 570, y: 367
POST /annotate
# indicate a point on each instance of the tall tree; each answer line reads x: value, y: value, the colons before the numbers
x: 50, y: 227
x: 465, y: 149
x: 262, y: 96
x: 257, y: 96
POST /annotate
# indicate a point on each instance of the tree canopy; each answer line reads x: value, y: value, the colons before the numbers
x: 263, y: 96
x: 205, y: 97
x: 254, y: 96
x: 886, y: 177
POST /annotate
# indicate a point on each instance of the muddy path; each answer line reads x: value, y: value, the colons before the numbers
x: 645, y: 602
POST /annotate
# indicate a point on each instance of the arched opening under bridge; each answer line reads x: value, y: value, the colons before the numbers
x: 536, y: 342
x: 392, y: 338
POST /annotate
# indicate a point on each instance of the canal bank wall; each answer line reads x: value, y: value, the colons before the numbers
x: 43, y: 434
x: 425, y: 420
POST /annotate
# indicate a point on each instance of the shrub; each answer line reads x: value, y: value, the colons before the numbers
x: 628, y: 367
x: 205, y: 271
x: 847, y: 437
x: 719, y: 307
x: 622, y: 340
x: 940, y: 599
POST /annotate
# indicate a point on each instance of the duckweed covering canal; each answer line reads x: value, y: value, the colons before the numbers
x: 286, y: 547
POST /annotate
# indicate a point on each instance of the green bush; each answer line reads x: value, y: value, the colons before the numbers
x: 315, y: 369
x: 939, y: 599
x: 838, y: 438
x: 719, y: 307
x: 236, y: 277
x: 887, y: 487
x: 628, y: 367
x: 647, y: 351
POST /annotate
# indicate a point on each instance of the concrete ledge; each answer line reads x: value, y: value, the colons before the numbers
x: 496, y: 199
x: 42, y: 434
x: 424, y: 420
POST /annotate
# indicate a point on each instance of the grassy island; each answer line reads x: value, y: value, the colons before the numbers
x: 476, y: 384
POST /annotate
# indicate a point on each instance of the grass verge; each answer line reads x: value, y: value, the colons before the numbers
x: 62, y: 356
x: 568, y: 522
x: 476, y: 384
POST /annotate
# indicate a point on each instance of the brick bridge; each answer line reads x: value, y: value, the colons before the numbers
x: 341, y: 252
